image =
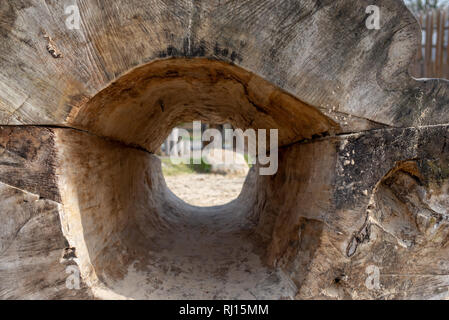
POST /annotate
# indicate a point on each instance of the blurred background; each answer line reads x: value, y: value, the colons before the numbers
x: 432, y: 61
x: 210, y: 182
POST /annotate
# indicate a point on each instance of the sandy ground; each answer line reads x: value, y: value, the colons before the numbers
x: 210, y: 254
x: 200, y: 265
x: 206, y: 190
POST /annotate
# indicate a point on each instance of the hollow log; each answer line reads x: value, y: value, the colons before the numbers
x: 357, y: 210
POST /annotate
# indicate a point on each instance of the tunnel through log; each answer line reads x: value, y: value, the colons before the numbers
x: 129, y: 229
x: 78, y: 131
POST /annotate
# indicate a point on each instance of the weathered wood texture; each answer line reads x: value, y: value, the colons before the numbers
x: 28, y: 160
x: 363, y: 171
x: 33, y: 264
x: 376, y: 199
x: 319, y: 51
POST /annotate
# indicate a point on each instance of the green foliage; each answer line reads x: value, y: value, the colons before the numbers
x: 200, y: 168
x: 248, y: 159
x: 170, y: 169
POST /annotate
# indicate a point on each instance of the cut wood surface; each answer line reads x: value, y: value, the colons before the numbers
x: 362, y: 184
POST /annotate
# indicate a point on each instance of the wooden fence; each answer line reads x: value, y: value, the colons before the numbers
x: 432, y: 60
